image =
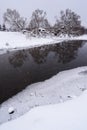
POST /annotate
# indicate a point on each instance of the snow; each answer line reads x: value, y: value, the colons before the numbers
x: 70, y: 115
x: 64, y: 86
x: 16, y: 40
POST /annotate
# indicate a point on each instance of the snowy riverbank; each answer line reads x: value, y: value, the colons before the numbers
x: 15, y: 40
x: 70, y: 115
x: 64, y: 86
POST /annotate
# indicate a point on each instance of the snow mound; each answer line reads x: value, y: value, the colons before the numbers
x: 70, y: 115
x: 62, y: 87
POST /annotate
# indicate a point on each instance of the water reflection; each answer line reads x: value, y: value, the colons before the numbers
x: 40, y: 54
x: 64, y: 52
x: 18, y: 58
x: 21, y: 68
x: 68, y: 51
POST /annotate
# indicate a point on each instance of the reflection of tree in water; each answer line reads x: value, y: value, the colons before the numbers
x: 18, y: 58
x: 39, y: 54
x: 65, y: 51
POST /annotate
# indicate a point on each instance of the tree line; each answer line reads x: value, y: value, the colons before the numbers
x: 68, y: 23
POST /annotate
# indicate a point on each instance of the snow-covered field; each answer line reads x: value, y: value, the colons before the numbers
x: 16, y: 40
x: 69, y: 115
x: 64, y: 86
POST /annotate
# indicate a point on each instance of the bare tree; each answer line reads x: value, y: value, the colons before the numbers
x: 14, y: 20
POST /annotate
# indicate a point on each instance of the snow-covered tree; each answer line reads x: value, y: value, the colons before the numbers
x: 69, y: 23
x: 14, y: 20
x: 38, y: 20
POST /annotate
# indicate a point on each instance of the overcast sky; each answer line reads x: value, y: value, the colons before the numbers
x: 52, y: 7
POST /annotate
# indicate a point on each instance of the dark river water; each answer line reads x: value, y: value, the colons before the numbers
x: 21, y: 68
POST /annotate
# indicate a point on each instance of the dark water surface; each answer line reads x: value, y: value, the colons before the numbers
x: 21, y: 68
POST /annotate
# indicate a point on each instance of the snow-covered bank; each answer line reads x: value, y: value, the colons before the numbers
x: 16, y: 40
x: 64, y: 86
x: 70, y: 115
